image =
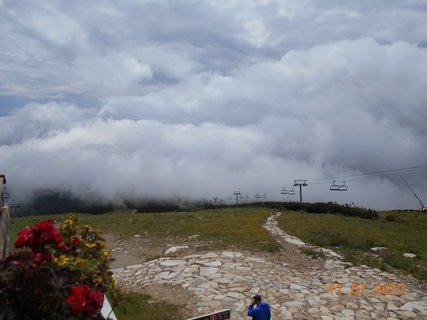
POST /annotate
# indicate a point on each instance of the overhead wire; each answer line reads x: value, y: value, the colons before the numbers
x: 420, y: 169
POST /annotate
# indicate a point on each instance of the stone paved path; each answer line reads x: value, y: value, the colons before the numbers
x: 222, y: 280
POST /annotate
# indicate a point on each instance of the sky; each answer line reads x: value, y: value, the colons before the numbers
x: 183, y: 99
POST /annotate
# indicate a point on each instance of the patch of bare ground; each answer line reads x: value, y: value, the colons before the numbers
x: 140, y: 249
x: 175, y: 295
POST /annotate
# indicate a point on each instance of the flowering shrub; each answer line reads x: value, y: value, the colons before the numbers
x: 57, y: 274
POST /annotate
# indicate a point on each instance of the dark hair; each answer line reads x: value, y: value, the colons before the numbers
x: 257, y: 297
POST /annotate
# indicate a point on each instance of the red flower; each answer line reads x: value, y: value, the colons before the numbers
x: 37, y: 236
x: 84, y: 299
x: 39, y: 257
x: 74, y: 241
x: 23, y: 236
x: 61, y: 246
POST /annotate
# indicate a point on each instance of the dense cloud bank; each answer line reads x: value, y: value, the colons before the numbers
x: 194, y: 99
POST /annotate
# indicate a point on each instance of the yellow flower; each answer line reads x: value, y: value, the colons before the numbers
x: 89, y: 245
x: 99, y: 279
x: 72, y: 216
x: 78, y: 260
x: 107, y: 253
x: 87, y: 226
x: 62, y: 227
x: 63, y: 260
x: 68, y: 221
x: 102, y: 245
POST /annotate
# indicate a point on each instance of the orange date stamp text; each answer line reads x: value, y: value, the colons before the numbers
x: 363, y: 288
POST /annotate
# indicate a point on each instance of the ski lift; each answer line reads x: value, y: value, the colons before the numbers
x: 343, y: 187
x: 257, y: 195
x: 284, y: 191
x: 264, y: 195
x: 334, y: 187
x: 291, y: 192
x: 247, y: 196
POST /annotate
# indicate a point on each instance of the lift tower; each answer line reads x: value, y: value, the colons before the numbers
x: 300, y: 184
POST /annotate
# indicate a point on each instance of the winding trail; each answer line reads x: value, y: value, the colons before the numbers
x: 296, y: 286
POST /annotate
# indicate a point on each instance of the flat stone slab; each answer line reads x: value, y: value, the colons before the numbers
x: 212, y: 263
x: 229, y: 254
x: 207, y: 271
x: 175, y: 249
x: 172, y: 263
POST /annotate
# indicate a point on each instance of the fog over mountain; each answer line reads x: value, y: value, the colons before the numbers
x: 194, y: 99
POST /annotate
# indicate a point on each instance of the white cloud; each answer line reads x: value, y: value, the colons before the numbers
x: 199, y: 98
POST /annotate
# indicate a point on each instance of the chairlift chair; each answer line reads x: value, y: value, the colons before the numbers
x: 264, y: 195
x: 343, y: 187
x: 247, y: 196
x: 334, y: 187
x: 257, y: 195
x: 284, y: 191
x: 291, y: 192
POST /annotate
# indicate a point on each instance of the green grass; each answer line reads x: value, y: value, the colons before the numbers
x: 137, y: 306
x: 399, y: 231
x: 239, y: 228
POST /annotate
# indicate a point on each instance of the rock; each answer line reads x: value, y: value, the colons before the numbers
x: 236, y: 295
x: 324, y: 310
x: 175, y: 249
x: 391, y: 306
x: 409, y: 255
x: 257, y: 260
x: 296, y: 287
x: 172, y: 263
x: 294, y: 304
x: 206, y: 271
x: 405, y: 314
x: 415, y: 305
x: 313, y: 311
x: 209, y: 284
x: 137, y: 236
x: 162, y: 275
x: 285, y: 314
x: 211, y: 263
x: 228, y: 254
x: 209, y: 255
x: 294, y: 240
x: 348, y: 312
x: 378, y: 248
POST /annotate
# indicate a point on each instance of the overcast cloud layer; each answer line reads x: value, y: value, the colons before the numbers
x: 195, y: 99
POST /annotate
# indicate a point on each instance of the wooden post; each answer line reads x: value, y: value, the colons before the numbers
x: 4, y: 219
x: 4, y: 238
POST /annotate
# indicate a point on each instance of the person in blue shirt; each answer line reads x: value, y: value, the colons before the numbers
x: 259, y: 310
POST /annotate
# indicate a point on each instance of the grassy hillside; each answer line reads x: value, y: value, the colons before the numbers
x: 221, y: 229
x: 399, y: 231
